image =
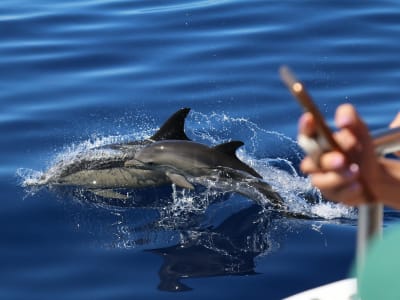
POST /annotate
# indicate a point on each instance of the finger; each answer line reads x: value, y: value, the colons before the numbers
x: 334, y: 181
x: 393, y: 124
x: 330, y: 161
x: 350, y: 145
x: 396, y: 121
x: 347, y: 117
x: 307, y: 125
x: 346, y: 140
x: 351, y: 194
x: 309, y: 166
x: 358, y: 142
x: 333, y: 161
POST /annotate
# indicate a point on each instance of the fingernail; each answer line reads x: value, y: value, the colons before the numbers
x: 352, y: 171
x: 303, y: 121
x: 344, y: 121
x: 354, y: 168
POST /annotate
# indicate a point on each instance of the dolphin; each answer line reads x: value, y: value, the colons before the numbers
x: 186, y: 163
x: 167, y: 157
x: 101, y: 174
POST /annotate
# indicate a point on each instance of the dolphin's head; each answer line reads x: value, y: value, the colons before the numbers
x: 158, y: 153
x: 150, y: 154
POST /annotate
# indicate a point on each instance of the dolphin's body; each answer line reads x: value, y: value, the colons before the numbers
x: 101, y: 174
x: 186, y: 163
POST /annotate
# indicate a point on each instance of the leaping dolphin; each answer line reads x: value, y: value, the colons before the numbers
x: 166, y: 157
x: 186, y: 163
x: 101, y: 174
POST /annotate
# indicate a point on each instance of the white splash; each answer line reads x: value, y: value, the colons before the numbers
x: 213, y: 129
x: 87, y: 149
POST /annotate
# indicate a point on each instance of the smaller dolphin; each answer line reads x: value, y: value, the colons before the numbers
x: 186, y: 162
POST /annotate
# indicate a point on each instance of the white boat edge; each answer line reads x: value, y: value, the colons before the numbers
x: 345, y: 289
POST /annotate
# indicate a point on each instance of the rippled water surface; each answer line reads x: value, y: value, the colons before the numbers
x: 75, y: 75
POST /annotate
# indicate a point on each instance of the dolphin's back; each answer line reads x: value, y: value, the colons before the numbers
x: 191, y: 156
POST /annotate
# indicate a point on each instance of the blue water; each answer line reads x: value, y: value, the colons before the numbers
x: 74, y: 74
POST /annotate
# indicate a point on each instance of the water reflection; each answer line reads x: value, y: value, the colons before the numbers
x: 196, y: 236
x: 227, y: 249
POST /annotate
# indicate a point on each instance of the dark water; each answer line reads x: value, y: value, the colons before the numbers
x: 75, y: 74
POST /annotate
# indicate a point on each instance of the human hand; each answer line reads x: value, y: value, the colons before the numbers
x: 339, y: 175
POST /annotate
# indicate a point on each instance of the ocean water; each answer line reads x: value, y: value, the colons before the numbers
x: 75, y: 75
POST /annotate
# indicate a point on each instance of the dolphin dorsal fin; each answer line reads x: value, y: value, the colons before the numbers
x: 229, y: 148
x: 173, y: 128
